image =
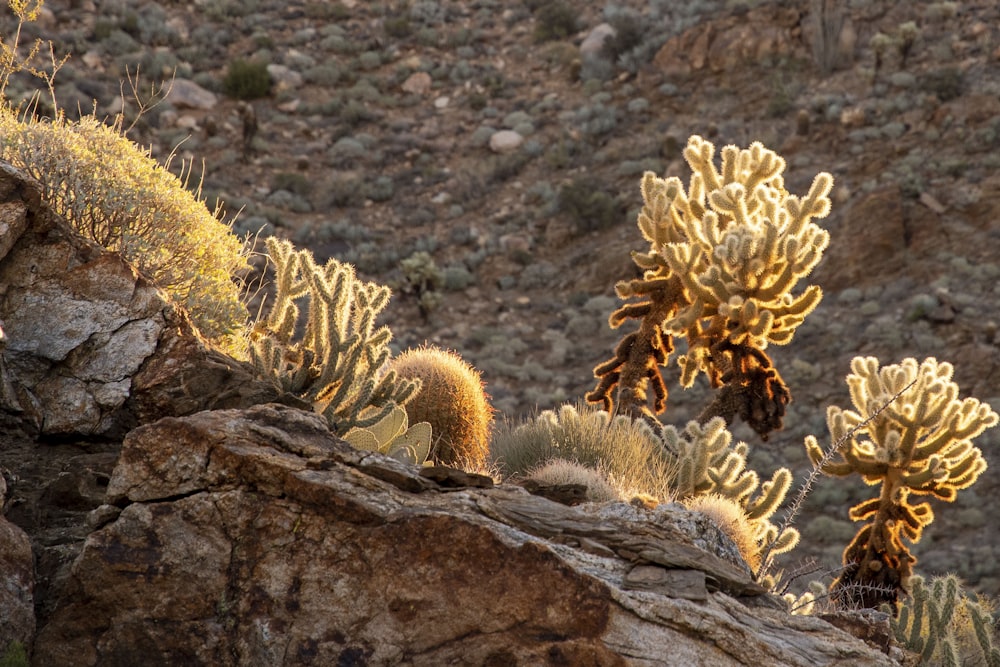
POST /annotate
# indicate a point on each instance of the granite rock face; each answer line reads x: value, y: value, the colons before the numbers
x: 256, y: 537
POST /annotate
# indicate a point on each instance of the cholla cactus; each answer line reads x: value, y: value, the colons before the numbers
x: 724, y: 257
x: 919, y: 444
x: 339, y: 363
x: 944, y: 626
x: 707, y: 463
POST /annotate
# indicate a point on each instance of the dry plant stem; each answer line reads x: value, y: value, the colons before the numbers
x: 853, y: 588
x: 810, y: 480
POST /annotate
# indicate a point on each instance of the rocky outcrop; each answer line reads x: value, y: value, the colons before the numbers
x: 91, y: 347
x: 761, y: 34
x: 257, y: 537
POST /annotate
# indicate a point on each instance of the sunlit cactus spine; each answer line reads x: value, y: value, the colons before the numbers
x: 452, y: 400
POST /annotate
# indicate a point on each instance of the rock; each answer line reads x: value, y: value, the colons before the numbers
x: 594, y: 41
x: 17, y: 584
x: 186, y: 94
x: 284, y: 78
x: 256, y: 537
x: 731, y: 42
x: 418, y: 83
x: 91, y: 347
x: 505, y: 141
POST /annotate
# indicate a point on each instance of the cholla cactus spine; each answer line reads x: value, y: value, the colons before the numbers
x: 338, y: 365
x: 919, y: 444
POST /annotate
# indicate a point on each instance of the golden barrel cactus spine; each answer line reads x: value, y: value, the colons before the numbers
x: 452, y: 400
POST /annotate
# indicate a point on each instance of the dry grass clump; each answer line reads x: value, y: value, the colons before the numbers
x: 732, y: 520
x: 626, y: 450
x: 558, y: 472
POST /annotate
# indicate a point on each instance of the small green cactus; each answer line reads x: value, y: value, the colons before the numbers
x: 452, y: 400
x: 919, y: 444
x: 625, y: 450
x: 944, y: 626
x: 338, y: 365
x: 393, y: 436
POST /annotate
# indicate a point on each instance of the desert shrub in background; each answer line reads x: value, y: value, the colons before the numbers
x: 555, y: 20
x: 246, y: 80
x: 114, y: 193
x: 14, y: 656
x: 588, y: 205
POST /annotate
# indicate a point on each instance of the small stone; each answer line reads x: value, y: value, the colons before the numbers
x: 594, y: 41
x: 284, y: 78
x: 505, y: 141
x: 186, y: 94
x: 418, y: 83
x: 442, y: 102
x: 928, y: 200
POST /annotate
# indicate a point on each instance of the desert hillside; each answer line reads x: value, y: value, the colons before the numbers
x: 492, y: 136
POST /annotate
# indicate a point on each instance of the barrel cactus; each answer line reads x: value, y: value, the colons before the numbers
x: 452, y: 399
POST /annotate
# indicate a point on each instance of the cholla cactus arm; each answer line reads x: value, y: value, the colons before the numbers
x: 919, y: 444
x: 639, y: 355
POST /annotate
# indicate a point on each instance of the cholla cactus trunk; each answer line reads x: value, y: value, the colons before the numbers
x: 635, y: 367
x: 339, y: 363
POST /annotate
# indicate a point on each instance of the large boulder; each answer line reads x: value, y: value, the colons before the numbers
x: 762, y: 34
x: 90, y: 347
x: 256, y: 537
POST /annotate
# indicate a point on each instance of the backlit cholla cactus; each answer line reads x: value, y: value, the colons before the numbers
x: 338, y: 364
x: 919, y: 444
x: 723, y: 260
x: 707, y: 463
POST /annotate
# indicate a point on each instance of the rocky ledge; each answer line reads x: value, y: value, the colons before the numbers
x: 257, y: 537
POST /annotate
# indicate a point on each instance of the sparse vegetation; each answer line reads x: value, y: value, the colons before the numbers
x: 408, y: 168
x: 246, y: 80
